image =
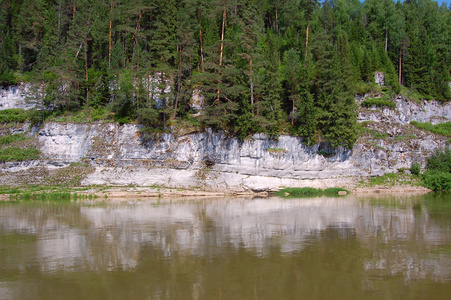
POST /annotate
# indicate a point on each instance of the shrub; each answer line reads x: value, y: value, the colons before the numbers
x: 299, y: 192
x: 441, y: 128
x: 415, y: 168
x: 440, y: 161
x: 333, y: 192
x: 379, y: 102
x: 13, y: 115
x: 309, y: 192
x: 438, y: 174
x: 437, y: 181
x: 17, y: 115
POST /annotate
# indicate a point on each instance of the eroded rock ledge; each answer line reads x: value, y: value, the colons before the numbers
x: 120, y: 155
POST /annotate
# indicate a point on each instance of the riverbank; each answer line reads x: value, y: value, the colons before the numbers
x: 128, y: 193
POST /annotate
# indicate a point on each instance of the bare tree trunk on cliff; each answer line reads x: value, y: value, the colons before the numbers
x: 221, y: 52
x: 306, y: 39
x: 251, y: 74
x: 200, y: 39
x: 109, y: 34
x: 400, y: 65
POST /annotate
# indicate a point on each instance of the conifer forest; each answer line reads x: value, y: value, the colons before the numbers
x: 242, y: 66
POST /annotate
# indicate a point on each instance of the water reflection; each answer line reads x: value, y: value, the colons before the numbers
x: 227, y: 248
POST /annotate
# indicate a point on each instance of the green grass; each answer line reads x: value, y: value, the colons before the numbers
x: 18, y: 154
x: 17, y: 115
x: 386, y: 179
x: 276, y: 150
x: 391, y: 179
x: 412, y: 94
x: 82, y: 116
x: 42, y: 196
x: 308, y: 192
x: 379, y: 102
x: 333, y: 192
x: 379, y: 135
x: 441, y: 128
x: 9, y: 139
x: 45, y: 193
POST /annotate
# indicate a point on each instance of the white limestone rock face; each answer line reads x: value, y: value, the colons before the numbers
x: 121, y: 155
x: 65, y: 142
x: 19, y: 96
x: 407, y: 111
x: 379, y: 78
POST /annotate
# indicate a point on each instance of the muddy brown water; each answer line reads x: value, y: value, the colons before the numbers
x: 354, y: 247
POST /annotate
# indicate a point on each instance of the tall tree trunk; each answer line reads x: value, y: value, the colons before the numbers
x: 292, y: 99
x: 109, y: 34
x: 251, y: 81
x: 306, y: 39
x: 86, y: 72
x: 179, y: 83
x: 138, y: 83
x: 137, y: 29
x: 74, y: 10
x: 201, y: 44
x: 400, y: 65
x: 221, y: 52
x: 59, y: 20
x: 386, y: 40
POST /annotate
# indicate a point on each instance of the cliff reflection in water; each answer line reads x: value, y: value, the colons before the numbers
x: 373, y: 239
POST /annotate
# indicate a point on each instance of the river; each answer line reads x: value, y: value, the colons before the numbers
x: 381, y: 247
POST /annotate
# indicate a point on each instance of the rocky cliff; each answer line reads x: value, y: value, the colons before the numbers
x: 121, y: 155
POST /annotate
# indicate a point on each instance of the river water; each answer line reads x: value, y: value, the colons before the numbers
x: 229, y: 248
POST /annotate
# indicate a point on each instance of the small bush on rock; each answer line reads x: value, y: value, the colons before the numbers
x: 415, y: 168
x: 438, y: 174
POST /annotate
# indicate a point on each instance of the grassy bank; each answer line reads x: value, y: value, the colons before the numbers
x: 310, y: 192
x: 45, y: 193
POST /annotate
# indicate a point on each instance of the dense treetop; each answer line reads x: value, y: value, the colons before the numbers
x: 269, y: 66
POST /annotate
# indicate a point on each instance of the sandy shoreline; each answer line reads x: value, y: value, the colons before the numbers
x: 127, y: 193
x: 149, y: 192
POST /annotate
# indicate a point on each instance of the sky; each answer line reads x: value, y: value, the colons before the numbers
x: 448, y: 2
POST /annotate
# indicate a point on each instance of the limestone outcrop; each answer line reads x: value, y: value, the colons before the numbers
x: 122, y: 155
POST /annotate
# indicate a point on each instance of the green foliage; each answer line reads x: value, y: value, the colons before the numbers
x: 438, y: 171
x: 437, y: 181
x: 441, y: 128
x: 18, y: 154
x: 16, y: 115
x: 379, y: 102
x: 379, y: 135
x: 276, y: 150
x: 250, y: 61
x: 42, y: 196
x: 386, y: 179
x: 9, y: 139
x: 298, y: 192
x: 391, y: 179
x: 415, y: 168
x: 310, y: 192
x: 440, y: 161
x: 334, y: 192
